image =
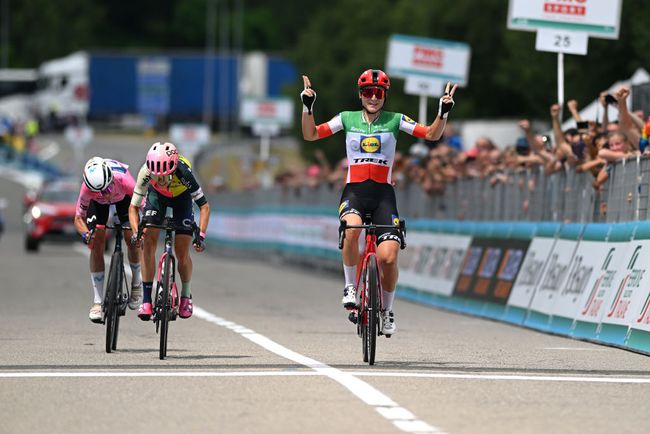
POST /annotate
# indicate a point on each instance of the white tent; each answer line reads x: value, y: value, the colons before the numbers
x: 594, y: 110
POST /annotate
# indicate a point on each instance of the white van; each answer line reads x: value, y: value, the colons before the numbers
x: 63, y: 90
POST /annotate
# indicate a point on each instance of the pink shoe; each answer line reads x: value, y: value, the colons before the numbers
x: 185, y: 310
x: 145, y: 311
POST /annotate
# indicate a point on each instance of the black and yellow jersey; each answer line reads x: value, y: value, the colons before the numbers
x: 169, y: 185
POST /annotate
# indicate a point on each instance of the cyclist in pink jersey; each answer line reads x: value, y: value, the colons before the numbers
x: 105, y: 183
x: 371, y: 139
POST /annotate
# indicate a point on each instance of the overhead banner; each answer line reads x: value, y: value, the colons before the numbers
x: 597, y: 18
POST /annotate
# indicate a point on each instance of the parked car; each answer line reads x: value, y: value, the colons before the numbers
x: 49, y: 214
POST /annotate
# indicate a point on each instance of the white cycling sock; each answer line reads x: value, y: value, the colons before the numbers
x: 98, y: 285
x: 136, y: 276
x: 388, y: 299
x: 350, y: 273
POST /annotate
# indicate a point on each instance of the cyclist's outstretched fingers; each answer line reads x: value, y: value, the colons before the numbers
x: 447, y: 87
x: 453, y: 89
x: 306, y: 82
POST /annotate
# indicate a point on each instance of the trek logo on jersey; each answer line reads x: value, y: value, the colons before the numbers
x: 371, y: 144
x: 343, y: 206
x: 380, y: 161
x: 408, y: 120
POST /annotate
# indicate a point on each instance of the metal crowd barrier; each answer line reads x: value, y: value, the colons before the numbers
x: 523, y: 195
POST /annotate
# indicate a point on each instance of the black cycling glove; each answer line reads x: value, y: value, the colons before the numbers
x: 307, y: 101
x: 445, y: 107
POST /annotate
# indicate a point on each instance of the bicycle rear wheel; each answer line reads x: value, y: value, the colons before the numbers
x: 165, y: 306
x: 111, y: 305
x: 372, y: 325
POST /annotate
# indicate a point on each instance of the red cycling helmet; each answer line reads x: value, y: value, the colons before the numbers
x: 374, y: 77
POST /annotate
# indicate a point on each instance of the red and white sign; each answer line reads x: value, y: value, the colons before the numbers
x: 189, y: 136
x: 424, y: 57
x: 597, y: 18
x: 267, y: 111
x: 561, y: 7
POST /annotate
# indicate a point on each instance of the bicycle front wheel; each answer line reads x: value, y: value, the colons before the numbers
x: 111, y: 305
x: 373, y: 308
x: 165, y: 305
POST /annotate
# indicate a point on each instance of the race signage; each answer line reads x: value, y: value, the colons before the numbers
x: 278, y: 111
x: 425, y: 57
x: 561, y: 41
x: 597, y: 18
x: 190, y: 136
x: 78, y: 135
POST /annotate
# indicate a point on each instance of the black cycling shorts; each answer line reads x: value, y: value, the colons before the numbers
x: 97, y: 213
x: 376, y: 199
x: 155, y: 209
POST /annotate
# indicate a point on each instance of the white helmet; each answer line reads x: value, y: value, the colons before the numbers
x: 97, y: 175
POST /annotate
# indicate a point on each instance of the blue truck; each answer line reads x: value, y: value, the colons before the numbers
x: 100, y: 85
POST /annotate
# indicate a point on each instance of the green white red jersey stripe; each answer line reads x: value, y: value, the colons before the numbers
x: 370, y: 147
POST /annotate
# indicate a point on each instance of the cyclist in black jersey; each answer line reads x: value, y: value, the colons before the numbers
x: 167, y: 181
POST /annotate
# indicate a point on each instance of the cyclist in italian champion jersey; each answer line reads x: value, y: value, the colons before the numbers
x: 105, y: 183
x: 166, y: 179
x: 371, y: 139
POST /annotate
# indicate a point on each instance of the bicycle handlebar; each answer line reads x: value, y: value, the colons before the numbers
x: 171, y: 226
x: 401, y: 228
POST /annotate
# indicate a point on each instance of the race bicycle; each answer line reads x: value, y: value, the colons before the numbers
x: 167, y: 295
x: 117, y: 288
x: 368, y: 284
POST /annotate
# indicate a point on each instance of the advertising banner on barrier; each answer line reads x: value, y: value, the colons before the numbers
x: 554, y: 275
x: 309, y: 231
x: 627, y: 305
x: 593, y: 303
x: 490, y: 268
x: 432, y: 261
x: 531, y: 272
x: 590, y: 260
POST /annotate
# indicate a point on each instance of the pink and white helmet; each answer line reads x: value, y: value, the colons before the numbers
x: 162, y: 158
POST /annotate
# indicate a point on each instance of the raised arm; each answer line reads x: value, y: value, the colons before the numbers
x: 572, y: 105
x: 437, y: 127
x: 308, y: 97
x: 625, y: 118
x: 603, y: 102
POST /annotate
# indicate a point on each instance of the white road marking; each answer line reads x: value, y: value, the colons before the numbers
x: 388, y: 410
x: 508, y: 377
x: 401, y: 418
x: 89, y: 374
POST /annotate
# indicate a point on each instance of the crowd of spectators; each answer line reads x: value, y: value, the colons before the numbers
x: 590, y: 147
